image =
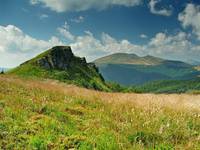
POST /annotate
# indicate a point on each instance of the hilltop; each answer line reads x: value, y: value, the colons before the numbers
x: 124, y: 58
x: 61, y: 64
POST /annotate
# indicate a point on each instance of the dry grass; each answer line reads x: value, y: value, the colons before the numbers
x: 47, y: 114
x: 147, y: 101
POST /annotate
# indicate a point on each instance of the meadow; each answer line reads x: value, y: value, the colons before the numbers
x: 47, y: 114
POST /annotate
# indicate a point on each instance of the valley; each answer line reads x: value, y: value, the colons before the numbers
x: 130, y: 69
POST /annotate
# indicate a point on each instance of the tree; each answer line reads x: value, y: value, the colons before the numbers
x: 2, y: 72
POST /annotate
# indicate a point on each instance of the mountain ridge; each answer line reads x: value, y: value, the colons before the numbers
x: 126, y: 58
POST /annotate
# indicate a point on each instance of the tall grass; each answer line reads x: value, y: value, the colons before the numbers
x: 50, y: 115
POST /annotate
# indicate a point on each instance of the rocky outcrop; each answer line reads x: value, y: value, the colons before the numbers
x: 59, y: 57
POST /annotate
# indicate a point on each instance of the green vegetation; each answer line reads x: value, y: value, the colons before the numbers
x: 34, y: 116
x: 169, y: 86
x: 130, y: 69
x: 163, y: 86
x: 59, y: 63
x: 82, y: 76
x: 52, y: 65
x: 140, y: 74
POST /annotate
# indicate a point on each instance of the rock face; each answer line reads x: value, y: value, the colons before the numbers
x: 59, y: 57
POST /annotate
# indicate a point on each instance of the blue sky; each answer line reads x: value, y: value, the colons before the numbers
x: 164, y: 28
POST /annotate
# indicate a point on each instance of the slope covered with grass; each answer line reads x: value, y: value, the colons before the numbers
x: 59, y: 63
x: 50, y: 115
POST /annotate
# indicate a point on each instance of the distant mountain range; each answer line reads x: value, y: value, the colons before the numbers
x: 124, y: 58
x: 130, y: 69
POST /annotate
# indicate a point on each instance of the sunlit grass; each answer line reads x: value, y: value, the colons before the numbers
x: 50, y: 115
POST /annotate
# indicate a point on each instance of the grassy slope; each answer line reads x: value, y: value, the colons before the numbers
x: 79, y: 75
x: 49, y: 115
x: 170, y: 86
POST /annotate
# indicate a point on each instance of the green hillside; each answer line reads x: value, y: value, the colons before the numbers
x: 169, y: 86
x: 130, y: 69
x: 60, y: 63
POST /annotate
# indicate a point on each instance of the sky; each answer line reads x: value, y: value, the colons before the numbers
x: 168, y: 29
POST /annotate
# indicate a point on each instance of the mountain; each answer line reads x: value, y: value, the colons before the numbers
x: 130, y: 69
x: 133, y: 59
x: 124, y: 58
x: 60, y: 63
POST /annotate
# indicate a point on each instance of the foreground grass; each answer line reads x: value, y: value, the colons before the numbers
x: 48, y: 115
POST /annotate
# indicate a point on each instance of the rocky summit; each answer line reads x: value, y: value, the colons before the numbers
x: 58, y: 57
x: 61, y: 64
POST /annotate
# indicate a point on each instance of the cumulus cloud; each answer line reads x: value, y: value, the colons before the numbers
x: 64, y: 31
x: 43, y: 16
x: 88, y: 45
x: 78, y: 19
x: 15, y: 43
x: 163, y: 11
x: 176, y: 46
x: 190, y: 17
x: 143, y: 36
x: 81, y: 5
x: 17, y: 46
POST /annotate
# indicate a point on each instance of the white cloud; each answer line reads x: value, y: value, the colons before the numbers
x: 81, y: 5
x: 25, y: 10
x: 64, y: 31
x: 34, y: 2
x: 43, y: 16
x: 143, y: 36
x: 163, y: 11
x: 16, y: 44
x: 176, y: 46
x: 112, y: 45
x: 93, y: 48
x: 79, y: 19
x: 190, y: 17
